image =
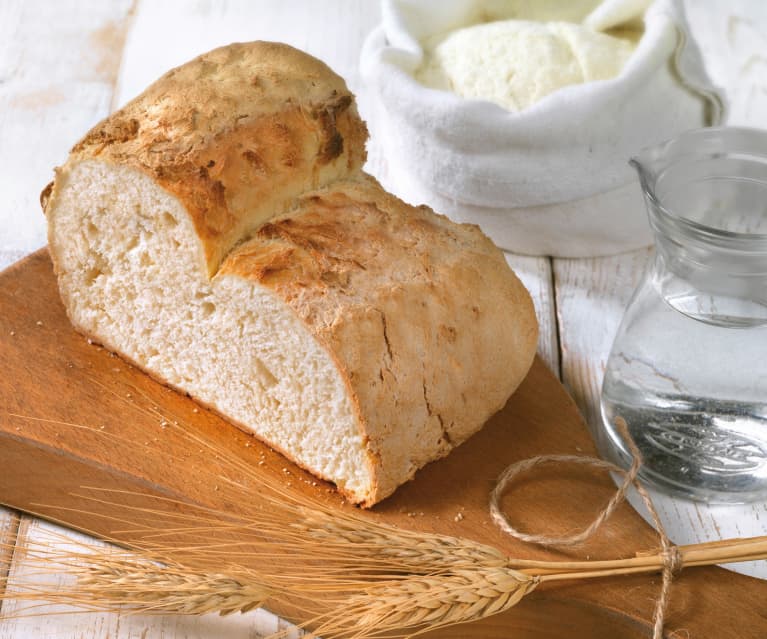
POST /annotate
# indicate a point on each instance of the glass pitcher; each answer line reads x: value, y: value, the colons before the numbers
x: 688, y: 368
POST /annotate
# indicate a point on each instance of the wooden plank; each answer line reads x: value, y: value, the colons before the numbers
x: 48, y: 462
x: 591, y: 297
x: 331, y: 31
x: 52, y: 620
x: 536, y: 275
x: 9, y: 525
x: 61, y: 42
x: 54, y: 84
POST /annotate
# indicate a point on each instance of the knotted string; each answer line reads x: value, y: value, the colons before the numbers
x: 672, y: 558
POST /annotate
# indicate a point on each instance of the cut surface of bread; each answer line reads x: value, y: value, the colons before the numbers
x: 219, y: 233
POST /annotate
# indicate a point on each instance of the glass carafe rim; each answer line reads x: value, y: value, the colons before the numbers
x: 699, y: 142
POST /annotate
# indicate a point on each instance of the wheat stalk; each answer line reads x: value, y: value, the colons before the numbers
x: 348, y: 575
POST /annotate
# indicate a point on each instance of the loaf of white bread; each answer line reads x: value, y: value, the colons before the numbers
x: 219, y: 232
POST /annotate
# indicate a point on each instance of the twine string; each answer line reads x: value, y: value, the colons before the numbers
x: 672, y: 557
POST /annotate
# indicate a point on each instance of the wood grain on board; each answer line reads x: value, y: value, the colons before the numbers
x: 81, y: 418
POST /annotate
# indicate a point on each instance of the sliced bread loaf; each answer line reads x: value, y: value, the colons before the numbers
x: 218, y: 231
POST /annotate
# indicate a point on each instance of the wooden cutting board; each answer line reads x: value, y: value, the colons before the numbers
x: 53, y: 380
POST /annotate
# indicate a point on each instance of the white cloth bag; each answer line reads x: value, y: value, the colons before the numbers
x: 552, y: 179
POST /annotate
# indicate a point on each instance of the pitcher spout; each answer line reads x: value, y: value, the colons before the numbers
x: 645, y: 172
x: 708, y: 183
x: 651, y: 162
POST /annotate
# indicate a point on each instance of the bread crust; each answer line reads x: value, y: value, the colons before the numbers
x: 427, y: 325
x: 413, y: 308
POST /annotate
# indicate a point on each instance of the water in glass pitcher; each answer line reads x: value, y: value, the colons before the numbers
x: 693, y: 395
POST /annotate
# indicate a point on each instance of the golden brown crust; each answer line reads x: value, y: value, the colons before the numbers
x: 235, y: 134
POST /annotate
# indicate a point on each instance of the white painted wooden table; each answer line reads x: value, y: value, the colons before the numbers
x: 65, y: 64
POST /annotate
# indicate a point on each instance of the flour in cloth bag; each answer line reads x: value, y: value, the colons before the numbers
x: 515, y: 63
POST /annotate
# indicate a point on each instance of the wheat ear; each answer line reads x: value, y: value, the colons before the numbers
x: 104, y: 578
x: 150, y: 588
x: 420, y: 603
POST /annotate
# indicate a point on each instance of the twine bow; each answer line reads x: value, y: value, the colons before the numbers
x: 672, y: 557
